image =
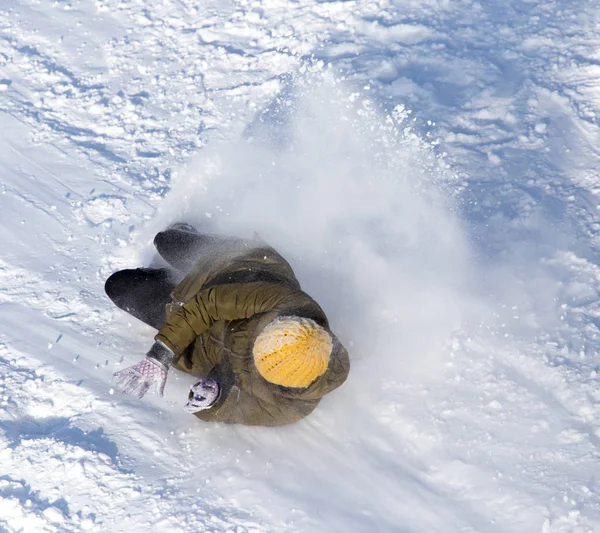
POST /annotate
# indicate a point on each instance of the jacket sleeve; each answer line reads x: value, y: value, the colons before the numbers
x: 221, y: 302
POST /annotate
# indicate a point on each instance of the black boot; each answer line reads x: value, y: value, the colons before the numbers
x: 183, y: 226
x: 181, y: 245
x: 142, y: 292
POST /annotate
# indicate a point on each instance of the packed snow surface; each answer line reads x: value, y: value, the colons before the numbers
x: 430, y: 169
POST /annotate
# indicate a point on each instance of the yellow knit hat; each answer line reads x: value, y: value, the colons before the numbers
x: 292, y: 351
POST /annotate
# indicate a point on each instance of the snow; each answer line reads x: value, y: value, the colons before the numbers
x: 431, y: 171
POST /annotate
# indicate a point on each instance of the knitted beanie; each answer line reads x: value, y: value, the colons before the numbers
x: 292, y: 351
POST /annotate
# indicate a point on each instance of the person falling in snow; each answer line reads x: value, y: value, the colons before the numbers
x: 238, y: 320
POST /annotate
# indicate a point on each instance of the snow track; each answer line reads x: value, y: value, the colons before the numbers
x: 440, y: 201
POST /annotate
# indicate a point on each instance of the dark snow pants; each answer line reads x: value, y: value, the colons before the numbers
x: 144, y: 292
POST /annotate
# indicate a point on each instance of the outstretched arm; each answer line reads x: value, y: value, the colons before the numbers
x: 222, y: 302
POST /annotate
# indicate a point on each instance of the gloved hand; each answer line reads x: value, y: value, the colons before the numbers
x: 151, y: 373
x: 204, y: 395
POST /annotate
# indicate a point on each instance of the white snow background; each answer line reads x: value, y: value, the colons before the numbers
x: 431, y: 171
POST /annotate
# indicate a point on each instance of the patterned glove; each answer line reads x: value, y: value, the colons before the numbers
x: 151, y: 373
x: 204, y: 395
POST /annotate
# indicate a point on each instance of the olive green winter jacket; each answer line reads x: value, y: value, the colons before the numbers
x: 220, y: 308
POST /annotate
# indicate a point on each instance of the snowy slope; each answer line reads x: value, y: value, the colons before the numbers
x: 430, y: 169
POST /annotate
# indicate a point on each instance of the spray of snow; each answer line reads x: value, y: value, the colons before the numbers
x: 357, y: 202
x: 362, y: 208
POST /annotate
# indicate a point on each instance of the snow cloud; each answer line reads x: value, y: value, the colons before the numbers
x: 357, y: 202
x: 362, y: 208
